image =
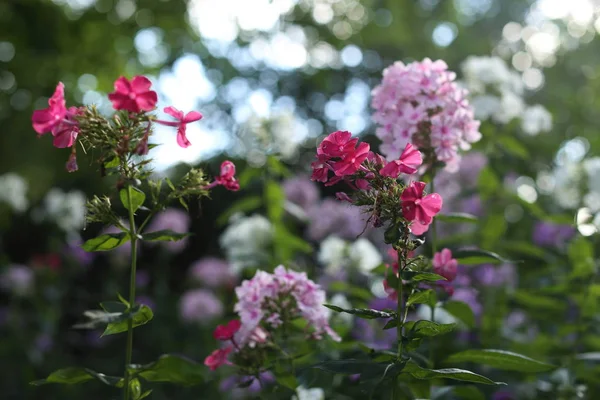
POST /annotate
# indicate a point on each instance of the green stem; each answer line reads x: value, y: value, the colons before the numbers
x: 433, y: 251
x: 133, y: 238
x: 400, y: 326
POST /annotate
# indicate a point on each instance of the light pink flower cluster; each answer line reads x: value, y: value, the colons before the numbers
x: 264, y: 299
x: 420, y: 103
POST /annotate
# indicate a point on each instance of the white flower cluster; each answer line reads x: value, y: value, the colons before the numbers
x: 497, y: 94
x: 246, y: 241
x: 574, y: 183
x: 303, y: 393
x: 277, y: 135
x: 65, y: 209
x: 13, y: 190
x: 336, y: 253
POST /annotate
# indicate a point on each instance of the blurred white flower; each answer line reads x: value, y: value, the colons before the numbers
x: 303, y: 393
x: 65, y: 209
x: 13, y: 190
x: 333, y: 253
x: 364, y: 255
x: 246, y: 241
x: 341, y: 301
x: 536, y: 119
x: 485, y: 105
x: 511, y: 107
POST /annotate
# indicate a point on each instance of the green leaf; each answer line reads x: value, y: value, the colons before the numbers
x: 164, y: 235
x: 392, y: 323
x: 137, y: 198
x: 106, y: 242
x: 513, y: 146
x: 447, y: 373
x: 113, y: 163
x: 458, y: 218
x: 423, y: 328
x: 140, y: 315
x: 488, y: 182
x: 135, y: 388
x: 244, y: 205
x: 538, y: 302
x: 173, y: 369
x: 287, y: 380
x: 421, y: 276
x: 462, y: 311
x: 367, y: 368
x: 74, y: 375
x: 145, y: 394
x: 362, y: 312
x: 581, y: 256
x: 277, y: 167
x: 274, y: 199
x: 423, y: 297
x: 501, y: 359
x: 478, y: 256
x: 114, y: 306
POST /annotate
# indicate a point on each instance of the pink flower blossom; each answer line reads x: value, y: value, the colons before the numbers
x: 351, y: 160
x: 134, y: 96
x: 444, y: 265
x: 46, y: 120
x: 66, y: 131
x: 409, y: 161
x: 320, y: 169
x: 419, y: 103
x: 227, y: 178
x: 72, y: 163
x: 263, y: 299
x: 337, y: 144
x: 417, y: 228
x: 226, y: 332
x: 417, y: 207
x: 217, y: 358
x: 181, y: 124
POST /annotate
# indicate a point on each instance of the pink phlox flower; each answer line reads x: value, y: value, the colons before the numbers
x: 337, y: 144
x: 217, y: 358
x: 181, y: 124
x: 417, y: 228
x: 66, y: 131
x: 409, y: 161
x: 134, y: 96
x: 417, y: 207
x: 351, y: 160
x: 320, y: 169
x: 444, y: 265
x: 226, y: 332
x: 46, y: 120
x: 227, y: 176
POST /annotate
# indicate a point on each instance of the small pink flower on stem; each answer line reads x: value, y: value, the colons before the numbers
x: 65, y: 133
x: 444, y: 265
x: 227, y: 178
x: 134, y: 96
x: 226, y: 332
x: 217, y: 358
x: 181, y: 124
x: 352, y: 160
x: 72, y: 162
x: 419, y: 208
x: 409, y: 161
x: 337, y: 144
x: 48, y: 119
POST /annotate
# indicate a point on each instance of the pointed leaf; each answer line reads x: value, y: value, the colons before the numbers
x: 137, y: 198
x: 457, y: 217
x: 422, y: 276
x: 501, y: 359
x: 140, y: 315
x: 164, y: 235
x: 106, y: 242
x: 362, y: 312
x: 74, y: 375
x: 447, y: 373
x: 423, y: 328
x: 354, y: 366
x: 462, y: 311
x: 423, y: 297
x: 173, y: 369
x: 478, y: 256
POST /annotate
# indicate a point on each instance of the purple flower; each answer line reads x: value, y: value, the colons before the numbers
x: 334, y: 217
x: 231, y: 383
x: 503, y: 395
x: 200, y: 305
x: 174, y: 220
x: 301, y: 191
x: 17, y: 279
x: 145, y: 300
x: 491, y: 275
x: 73, y: 249
x: 552, y: 235
x: 212, y: 272
x: 469, y: 296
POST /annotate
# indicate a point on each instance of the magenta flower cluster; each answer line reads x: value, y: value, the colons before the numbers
x: 264, y: 299
x: 420, y: 103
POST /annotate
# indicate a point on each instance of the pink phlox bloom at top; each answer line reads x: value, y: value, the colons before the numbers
x: 181, y: 124
x: 445, y: 265
x: 337, y: 144
x: 417, y: 207
x: 352, y: 160
x: 66, y: 131
x: 134, y: 96
x: 409, y: 161
x: 226, y: 332
x: 46, y: 120
x: 217, y: 358
x: 227, y: 178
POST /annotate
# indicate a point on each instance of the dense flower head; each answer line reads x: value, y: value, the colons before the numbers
x: 339, y: 154
x: 212, y: 272
x: 420, y: 103
x: 227, y: 178
x: 266, y: 299
x: 134, y: 96
x: 200, y: 305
